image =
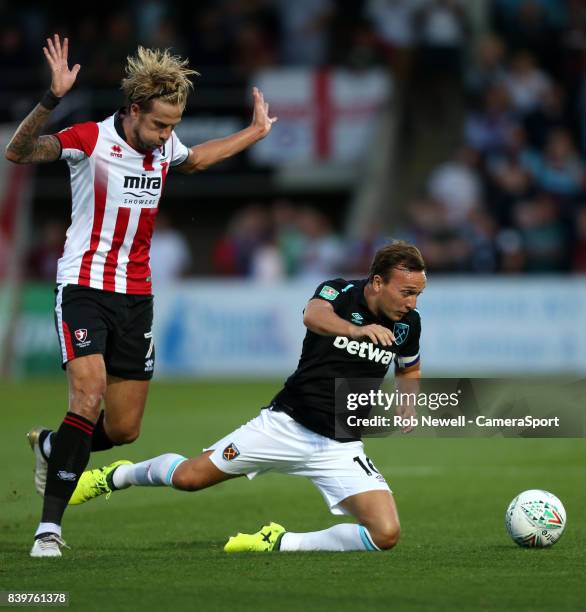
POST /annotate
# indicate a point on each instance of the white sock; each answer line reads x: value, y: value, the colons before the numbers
x: 156, y: 472
x: 48, y: 528
x: 47, y: 445
x: 342, y: 537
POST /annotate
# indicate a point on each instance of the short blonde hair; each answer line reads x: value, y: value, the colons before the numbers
x: 155, y: 73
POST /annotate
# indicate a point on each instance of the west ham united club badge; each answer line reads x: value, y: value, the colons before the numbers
x: 401, y: 331
x: 230, y: 452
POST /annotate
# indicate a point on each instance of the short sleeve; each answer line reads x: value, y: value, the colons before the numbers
x: 408, y: 349
x: 333, y: 291
x: 78, y: 141
x: 179, y: 152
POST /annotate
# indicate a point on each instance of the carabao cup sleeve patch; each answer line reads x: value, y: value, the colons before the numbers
x: 329, y: 293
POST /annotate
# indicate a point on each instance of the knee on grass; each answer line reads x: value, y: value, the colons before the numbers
x: 385, y: 536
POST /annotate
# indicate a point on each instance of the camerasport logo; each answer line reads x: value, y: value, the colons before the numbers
x: 81, y: 337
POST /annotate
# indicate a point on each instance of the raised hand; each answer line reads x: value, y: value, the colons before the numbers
x: 375, y: 333
x: 260, y: 117
x: 62, y: 78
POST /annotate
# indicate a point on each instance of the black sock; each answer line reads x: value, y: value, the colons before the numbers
x: 70, y: 454
x: 100, y: 440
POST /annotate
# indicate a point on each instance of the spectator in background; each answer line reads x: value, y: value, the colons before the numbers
x: 489, y: 130
x: 478, y: 231
x: 305, y: 31
x: 323, y: 253
x: 442, y: 30
x: 89, y: 37
x: 170, y: 253
x: 487, y: 69
x: 549, y: 115
x: 210, y: 47
x: 507, y: 177
x: 148, y: 16
x: 558, y: 170
x: 510, y: 250
x: 224, y: 255
x: 253, y: 49
x: 234, y: 253
x: 394, y: 24
x: 42, y: 260
x: 14, y: 59
x: 288, y: 236
x: 533, y: 25
x: 167, y: 36
x: 364, y: 50
x: 456, y: 184
x: 526, y: 84
x: 440, y: 243
x: 267, y: 264
x: 360, y: 251
x: 119, y: 32
x: 542, y: 235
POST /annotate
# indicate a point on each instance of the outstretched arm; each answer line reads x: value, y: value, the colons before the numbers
x: 27, y: 146
x: 207, y: 154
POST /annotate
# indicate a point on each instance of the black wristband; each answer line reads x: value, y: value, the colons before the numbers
x: 50, y: 100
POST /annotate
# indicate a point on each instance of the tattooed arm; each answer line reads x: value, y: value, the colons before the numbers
x: 27, y: 145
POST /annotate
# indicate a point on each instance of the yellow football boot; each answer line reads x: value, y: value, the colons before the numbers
x: 93, y: 483
x: 265, y: 540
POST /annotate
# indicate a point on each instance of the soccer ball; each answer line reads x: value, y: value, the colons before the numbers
x: 535, y: 519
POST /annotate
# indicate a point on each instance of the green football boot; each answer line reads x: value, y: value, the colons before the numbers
x: 265, y: 540
x: 93, y: 483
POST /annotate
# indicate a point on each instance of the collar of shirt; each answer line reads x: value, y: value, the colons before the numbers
x: 118, y: 116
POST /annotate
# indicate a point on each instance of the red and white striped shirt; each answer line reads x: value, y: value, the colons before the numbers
x: 115, y: 192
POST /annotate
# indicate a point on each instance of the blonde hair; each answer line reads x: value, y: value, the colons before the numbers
x: 155, y: 73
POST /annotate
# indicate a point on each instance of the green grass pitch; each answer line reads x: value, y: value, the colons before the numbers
x: 150, y: 549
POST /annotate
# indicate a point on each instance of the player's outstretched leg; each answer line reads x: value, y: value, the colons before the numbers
x: 378, y: 530
x: 168, y: 470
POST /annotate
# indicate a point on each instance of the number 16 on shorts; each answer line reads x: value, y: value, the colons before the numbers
x: 368, y: 466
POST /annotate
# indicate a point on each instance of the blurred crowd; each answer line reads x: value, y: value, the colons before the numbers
x: 228, y: 39
x: 287, y: 240
x: 512, y: 196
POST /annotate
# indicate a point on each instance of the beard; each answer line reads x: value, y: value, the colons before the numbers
x: 144, y: 145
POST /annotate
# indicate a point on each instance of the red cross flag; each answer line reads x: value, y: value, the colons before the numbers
x: 324, y: 115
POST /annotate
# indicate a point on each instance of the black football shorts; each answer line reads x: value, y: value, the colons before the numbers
x: 115, y: 325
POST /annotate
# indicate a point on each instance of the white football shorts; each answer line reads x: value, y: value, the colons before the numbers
x: 273, y: 441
